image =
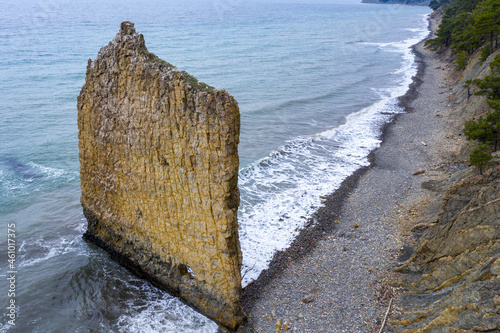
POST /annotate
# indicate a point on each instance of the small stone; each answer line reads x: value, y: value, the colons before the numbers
x: 286, y: 327
x: 277, y: 326
x: 356, y: 226
x: 273, y: 313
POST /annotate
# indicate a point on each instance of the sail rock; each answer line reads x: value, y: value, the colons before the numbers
x: 159, y: 171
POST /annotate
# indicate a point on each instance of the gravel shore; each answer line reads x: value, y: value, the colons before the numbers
x: 338, y: 274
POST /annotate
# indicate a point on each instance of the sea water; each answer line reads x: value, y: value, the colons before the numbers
x: 314, y: 82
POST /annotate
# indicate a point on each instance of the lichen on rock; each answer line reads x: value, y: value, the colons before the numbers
x: 159, y: 170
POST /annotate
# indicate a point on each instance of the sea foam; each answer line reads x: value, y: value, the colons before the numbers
x: 280, y: 192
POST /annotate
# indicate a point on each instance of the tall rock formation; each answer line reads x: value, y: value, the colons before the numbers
x: 159, y: 171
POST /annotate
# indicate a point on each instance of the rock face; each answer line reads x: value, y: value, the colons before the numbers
x: 159, y: 171
x: 459, y: 262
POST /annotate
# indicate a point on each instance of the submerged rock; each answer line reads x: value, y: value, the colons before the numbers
x: 159, y: 171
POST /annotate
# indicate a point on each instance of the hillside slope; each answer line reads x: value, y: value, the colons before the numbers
x: 451, y: 283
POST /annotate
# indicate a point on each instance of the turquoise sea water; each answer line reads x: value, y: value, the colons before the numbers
x: 314, y: 83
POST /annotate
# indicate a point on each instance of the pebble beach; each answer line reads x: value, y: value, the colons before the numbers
x: 338, y: 275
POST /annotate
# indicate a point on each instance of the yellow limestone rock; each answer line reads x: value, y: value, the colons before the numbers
x: 159, y: 171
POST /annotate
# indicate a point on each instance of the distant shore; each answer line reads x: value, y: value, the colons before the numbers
x: 335, y: 276
x: 399, y: 2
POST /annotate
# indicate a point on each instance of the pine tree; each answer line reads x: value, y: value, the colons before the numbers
x: 481, y: 158
x: 461, y: 60
x: 493, y: 119
x: 480, y: 130
x: 485, y: 53
x: 484, y: 130
x: 487, y: 20
x: 490, y: 85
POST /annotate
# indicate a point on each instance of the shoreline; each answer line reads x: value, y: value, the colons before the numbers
x: 317, y: 225
x: 340, y: 226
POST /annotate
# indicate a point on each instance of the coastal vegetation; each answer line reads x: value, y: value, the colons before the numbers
x: 486, y: 129
x: 456, y: 247
x: 405, y: 2
x: 481, y: 158
x: 466, y: 27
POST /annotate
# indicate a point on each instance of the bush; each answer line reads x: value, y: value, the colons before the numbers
x: 485, y: 53
x: 461, y: 60
x: 481, y: 158
x: 480, y: 130
x: 434, y: 4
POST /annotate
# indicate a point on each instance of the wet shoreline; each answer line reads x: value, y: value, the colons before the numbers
x: 327, y: 224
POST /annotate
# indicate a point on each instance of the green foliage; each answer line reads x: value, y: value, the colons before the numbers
x: 461, y: 60
x: 487, y: 20
x: 463, y: 36
x: 494, y: 119
x: 481, y: 158
x: 443, y: 34
x: 484, y: 130
x: 495, y: 65
x: 434, y: 44
x: 485, y: 53
x: 490, y: 85
x: 494, y: 103
x: 467, y: 25
x: 154, y: 58
x: 480, y: 130
x: 435, y: 4
x: 487, y: 129
x: 193, y: 82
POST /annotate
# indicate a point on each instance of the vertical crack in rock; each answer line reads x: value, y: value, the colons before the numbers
x: 159, y: 171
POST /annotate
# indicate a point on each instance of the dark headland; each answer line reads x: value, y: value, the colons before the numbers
x: 400, y: 2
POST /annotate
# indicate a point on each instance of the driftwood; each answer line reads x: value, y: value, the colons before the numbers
x: 385, y: 317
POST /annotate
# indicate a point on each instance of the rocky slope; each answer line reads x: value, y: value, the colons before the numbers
x: 451, y: 283
x: 159, y: 170
x: 458, y: 264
